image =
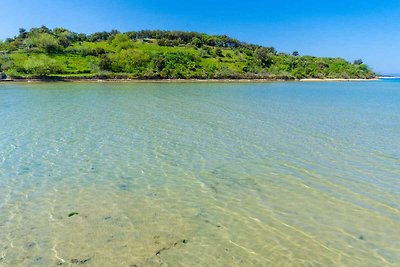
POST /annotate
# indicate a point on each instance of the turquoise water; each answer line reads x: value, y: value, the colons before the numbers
x: 199, y: 174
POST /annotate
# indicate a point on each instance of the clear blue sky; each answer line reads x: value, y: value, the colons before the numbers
x: 367, y: 29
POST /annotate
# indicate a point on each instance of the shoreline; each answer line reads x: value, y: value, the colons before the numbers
x: 388, y: 77
x: 338, y: 80
x: 82, y: 80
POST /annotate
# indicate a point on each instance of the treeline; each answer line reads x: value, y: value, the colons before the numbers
x: 155, y: 54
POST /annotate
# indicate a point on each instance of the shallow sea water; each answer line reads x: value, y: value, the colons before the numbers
x: 198, y: 174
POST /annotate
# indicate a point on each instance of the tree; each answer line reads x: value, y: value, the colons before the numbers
x: 120, y: 38
x: 159, y: 62
x: 197, y: 42
x: 358, y: 62
x: 105, y: 62
x: 203, y: 53
x: 218, y: 52
x: 122, y: 41
x: 114, y: 32
x: 296, y: 54
x: 64, y: 41
x: 98, y: 36
x: 264, y: 55
x: 42, y: 29
x: 165, y: 42
x: 22, y: 33
x: 47, y: 42
x: 212, y: 41
x: 81, y: 37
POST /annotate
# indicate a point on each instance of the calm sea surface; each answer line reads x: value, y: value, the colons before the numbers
x: 198, y: 174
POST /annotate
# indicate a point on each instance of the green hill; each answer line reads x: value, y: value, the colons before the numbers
x: 60, y: 53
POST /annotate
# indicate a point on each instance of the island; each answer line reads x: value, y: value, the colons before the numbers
x: 60, y: 54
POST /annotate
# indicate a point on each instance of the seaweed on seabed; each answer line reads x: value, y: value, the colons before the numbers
x: 184, y: 241
x: 82, y: 261
x: 75, y: 261
x: 72, y: 214
x: 155, y: 258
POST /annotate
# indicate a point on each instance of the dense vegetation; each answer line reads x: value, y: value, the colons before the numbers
x: 42, y: 52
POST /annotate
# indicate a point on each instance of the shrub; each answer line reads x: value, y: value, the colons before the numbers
x: 42, y: 65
